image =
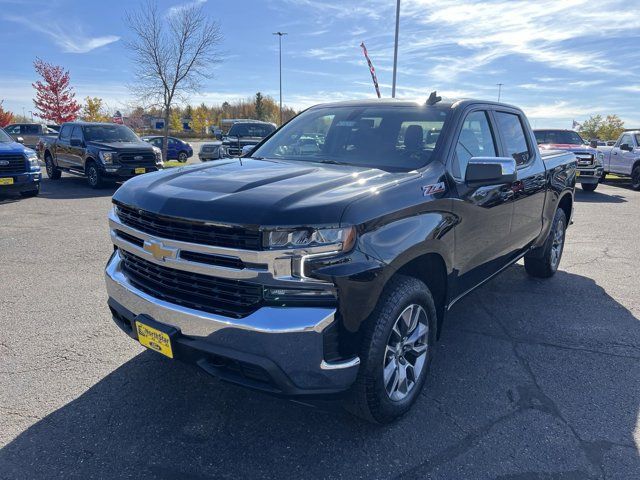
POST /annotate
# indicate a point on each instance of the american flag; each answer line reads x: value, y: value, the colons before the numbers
x: 371, y: 69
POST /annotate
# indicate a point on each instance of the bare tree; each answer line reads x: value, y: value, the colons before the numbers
x: 173, y: 54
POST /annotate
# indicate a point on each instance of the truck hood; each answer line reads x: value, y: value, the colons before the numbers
x: 568, y: 147
x: 254, y: 192
x: 14, y: 148
x: 121, y: 145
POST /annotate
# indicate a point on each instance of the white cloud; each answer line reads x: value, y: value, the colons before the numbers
x: 65, y: 37
x: 178, y: 8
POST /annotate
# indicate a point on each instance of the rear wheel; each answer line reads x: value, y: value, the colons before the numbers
x: 94, y: 176
x: 544, y: 263
x: 182, y: 157
x: 396, y: 351
x: 635, y: 178
x: 53, y: 172
x: 589, y: 187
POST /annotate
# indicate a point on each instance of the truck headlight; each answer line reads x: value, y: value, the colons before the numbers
x: 342, y: 238
x: 32, y: 158
x: 600, y: 159
x: 158, y: 154
x: 106, y: 157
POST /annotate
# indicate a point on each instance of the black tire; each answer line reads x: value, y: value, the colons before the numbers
x: 544, y: 263
x: 94, y: 176
x: 635, y: 178
x: 368, y: 398
x: 182, y: 157
x: 603, y: 178
x: 589, y: 187
x: 31, y: 193
x: 53, y: 172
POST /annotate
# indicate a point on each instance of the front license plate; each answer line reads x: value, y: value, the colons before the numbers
x: 6, y: 181
x: 154, y: 339
x: 577, y: 173
x: 140, y: 170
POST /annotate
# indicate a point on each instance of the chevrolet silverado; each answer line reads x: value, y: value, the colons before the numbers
x: 325, y: 261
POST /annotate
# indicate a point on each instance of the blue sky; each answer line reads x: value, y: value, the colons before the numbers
x: 559, y: 60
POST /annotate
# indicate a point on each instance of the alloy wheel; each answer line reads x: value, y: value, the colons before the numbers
x: 406, y: 352
x: 557, y: 244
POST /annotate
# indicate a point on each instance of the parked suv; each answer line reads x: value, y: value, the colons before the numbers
x: 101, y: 151
x: 326, y: 261
x: 19, y: 168
x: 245, y: 133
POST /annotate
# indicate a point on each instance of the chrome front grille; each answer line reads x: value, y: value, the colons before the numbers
x: 584, y: 159
x: 12, y: 163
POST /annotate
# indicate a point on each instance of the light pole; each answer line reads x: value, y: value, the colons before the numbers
x: 499, y: 89
x: 280, y: 35
x: 395, y: 51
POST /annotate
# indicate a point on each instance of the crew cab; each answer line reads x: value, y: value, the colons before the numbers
x: 28, y: 133
x: 624, y: 157
x: 243, y: 134
x: 589, y: 159
x: 328, y: 267
x: 19, y: 168
x: 101, y: 151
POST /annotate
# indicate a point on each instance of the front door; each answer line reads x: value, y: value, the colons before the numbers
x: 76, y: 149
x: 482, y: 237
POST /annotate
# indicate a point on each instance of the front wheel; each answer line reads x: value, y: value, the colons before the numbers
x: 53, y: 172
x: 635, y: 178
x: 182, y: 157
x: 544, y: 263
x: 396, y: 351
x: 94, y: 176
x: 589, y: 187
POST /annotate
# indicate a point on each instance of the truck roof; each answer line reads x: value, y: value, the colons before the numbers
x: 387, y: 102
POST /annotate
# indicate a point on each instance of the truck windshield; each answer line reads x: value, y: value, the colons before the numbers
x: 4, y: 137
x: 108, y: 133
x: 560, y: 137
x: 394, y: 137
x: 251, y: 130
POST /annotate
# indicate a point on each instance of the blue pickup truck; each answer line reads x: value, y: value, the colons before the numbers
x: 19, y: 168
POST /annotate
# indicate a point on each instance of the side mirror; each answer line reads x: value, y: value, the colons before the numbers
x: 593, y: 144
x: 626, y: 147
x: 247, y: 149
x: 74, y: 142
x: 490, y: 170
x: 20, y: 140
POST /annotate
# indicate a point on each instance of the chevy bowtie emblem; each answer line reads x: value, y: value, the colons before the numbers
x: 158, y: 250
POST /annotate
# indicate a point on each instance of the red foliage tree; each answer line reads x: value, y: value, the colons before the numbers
x: 54, y: 97
x: 5, y: 117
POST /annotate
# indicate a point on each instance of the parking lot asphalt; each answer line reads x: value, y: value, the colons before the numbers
x: 532, y: 379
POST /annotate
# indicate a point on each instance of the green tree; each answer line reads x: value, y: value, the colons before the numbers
x: 260, y: 111
x: 93, y: 110
x: 200, y: 119
x: 590, y: 128
x: 175, y: 120
x: 611, y: 128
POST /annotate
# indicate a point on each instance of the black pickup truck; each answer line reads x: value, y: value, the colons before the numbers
x: 326, y: 260
x: 246, y: 133
x: 101, y: 151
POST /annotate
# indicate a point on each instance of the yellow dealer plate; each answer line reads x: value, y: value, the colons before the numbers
x: 6, y: 181
x: 577, y: 173
x: 154, y: 339
x: 140, y: 170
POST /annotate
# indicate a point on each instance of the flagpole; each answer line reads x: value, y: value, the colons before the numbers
x: 395, y: 51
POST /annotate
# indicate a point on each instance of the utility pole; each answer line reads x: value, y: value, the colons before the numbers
x: 395, y: 51
x: 280, y: 35
x: 499, y: 89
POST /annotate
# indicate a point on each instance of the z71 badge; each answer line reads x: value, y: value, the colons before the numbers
x: 433, y: 188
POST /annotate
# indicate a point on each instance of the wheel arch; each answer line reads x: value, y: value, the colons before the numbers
x: 566, y: 204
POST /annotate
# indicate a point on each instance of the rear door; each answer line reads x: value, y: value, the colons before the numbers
x: 529, y: 189
x: 482, y: 238
x: 62, y: 146
x: 75, y: 156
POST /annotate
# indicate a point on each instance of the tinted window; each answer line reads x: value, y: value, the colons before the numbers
x: 109, y: 133
x: 76, y: 134
x: 637, y: 138
x: 4, y: 138
x: 512, y: 132
x: 560, y: 137
x: 65, y: 132
x: 31, y: 129
x: 475, y: 140
x: 385, y: 137
x: 626, y: 139
x: 173, y: 143
x: 251, y: 130
x: 13, y: 130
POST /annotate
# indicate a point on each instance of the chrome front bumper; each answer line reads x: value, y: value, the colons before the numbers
x: 290, y: 338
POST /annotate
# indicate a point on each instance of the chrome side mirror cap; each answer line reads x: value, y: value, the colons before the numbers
x: 490, y: 170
